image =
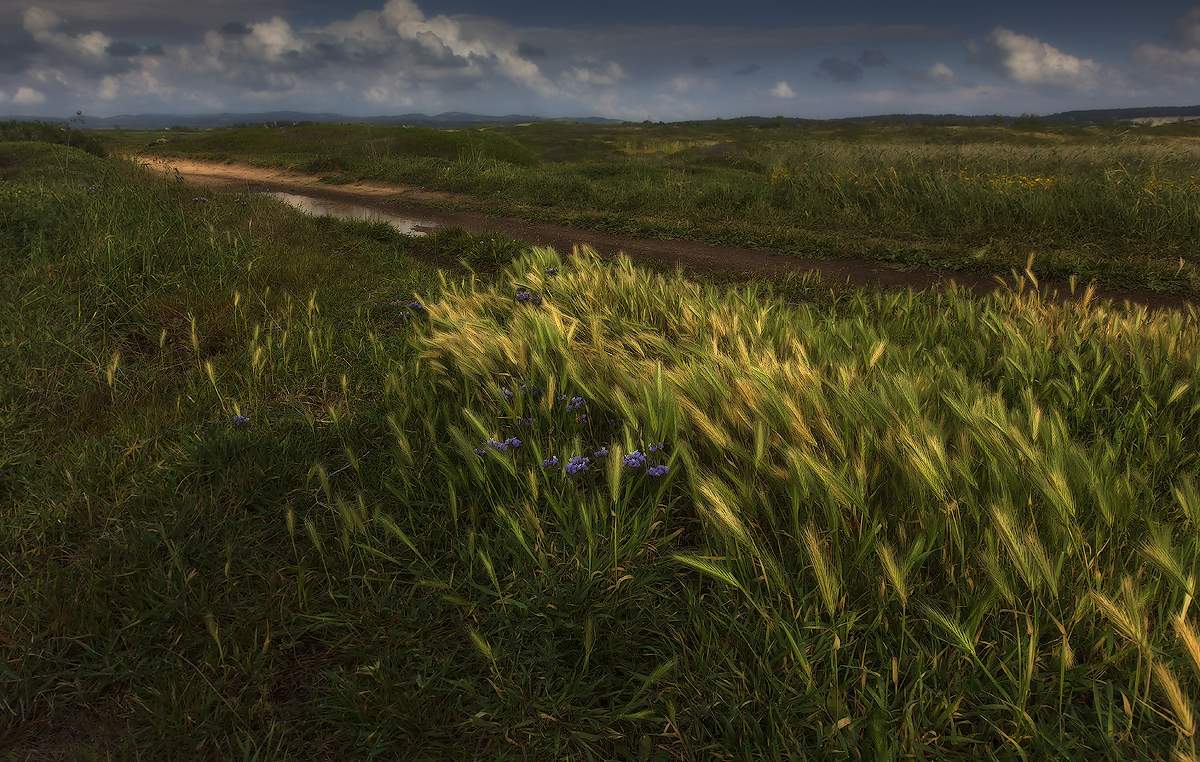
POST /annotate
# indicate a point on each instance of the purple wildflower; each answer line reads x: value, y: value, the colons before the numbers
x: 524, y: 295
x: 634, y: 459
x: 576, y: 403
x: 506, y: 392
x: 480, y: 452
x: 240, y: 421
x: 497, y: 445
x: 552, y: 271
x: 658, y: 447
x: 513, y: 443
x: 601, y: 453
x: 657, y: 471
x: 577, y: 465
x: 551, y: 462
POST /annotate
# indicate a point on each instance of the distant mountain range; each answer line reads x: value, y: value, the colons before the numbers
x: 164, y: 121
x: 1088, y: 116
x: 1149, y: 115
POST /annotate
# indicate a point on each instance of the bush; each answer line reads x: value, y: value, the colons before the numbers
x: 44, y: 132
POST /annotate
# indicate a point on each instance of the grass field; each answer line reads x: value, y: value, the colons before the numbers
x: 1118, y: 203
x: 281, y: 487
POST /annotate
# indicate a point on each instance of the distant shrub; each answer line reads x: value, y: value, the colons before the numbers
x: 44, y: 132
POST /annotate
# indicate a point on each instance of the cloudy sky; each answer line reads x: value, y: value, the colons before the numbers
x: 633, y: 59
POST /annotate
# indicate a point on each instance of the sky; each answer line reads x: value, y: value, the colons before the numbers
x: 628, y: 59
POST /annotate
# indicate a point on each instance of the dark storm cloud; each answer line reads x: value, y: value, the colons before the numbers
x: 16, y: 52
x: 872, y: 57
x: 122, y: 49
x: 235, y: 29
x: 359, y: 56
x: 628, y: 59
x: 528, y: 50
x: 839, y: 70
x: 167, y: 21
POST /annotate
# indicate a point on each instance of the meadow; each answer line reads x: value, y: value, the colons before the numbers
x: 278, y: 487
x: 1118, y: 203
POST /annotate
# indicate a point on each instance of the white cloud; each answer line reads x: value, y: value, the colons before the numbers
x: 27, y: 96
x: 783, y: 90
x: 274, y: 39
x: 597, y: 74
x: 109, y: 88
x: 940, y: 73
x: 442, y: 33
x: 1030, y: 61
x: 39, y: 21
x: 43, y: 26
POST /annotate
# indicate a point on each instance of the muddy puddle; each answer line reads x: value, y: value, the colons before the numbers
x: 323, y: 207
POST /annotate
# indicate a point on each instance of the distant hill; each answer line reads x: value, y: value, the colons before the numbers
x: 1146, y: 115
x: 165, y: 121
x: 1127, y: 114
x: 1152, y: 115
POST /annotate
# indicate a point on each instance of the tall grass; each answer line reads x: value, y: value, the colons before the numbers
x: 921, y: 527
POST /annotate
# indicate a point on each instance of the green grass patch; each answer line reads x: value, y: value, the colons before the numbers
x: 794, y: 524
x: 1117, y: 204
x: 43, y: 132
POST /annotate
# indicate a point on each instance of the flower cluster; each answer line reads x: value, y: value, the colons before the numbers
x: 637, y: 459
x: 240, y: 421
x: 578, y: 464
x: 501, y: 445
x: 525, y: 296
x: 412, y: 308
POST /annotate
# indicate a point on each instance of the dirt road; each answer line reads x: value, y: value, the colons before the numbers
x: 691, y: 255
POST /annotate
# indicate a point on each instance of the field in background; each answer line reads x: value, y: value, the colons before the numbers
x: 276, y: 488
x: 1119, y: 203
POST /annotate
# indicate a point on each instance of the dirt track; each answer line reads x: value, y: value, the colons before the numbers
x: 692, y: 255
